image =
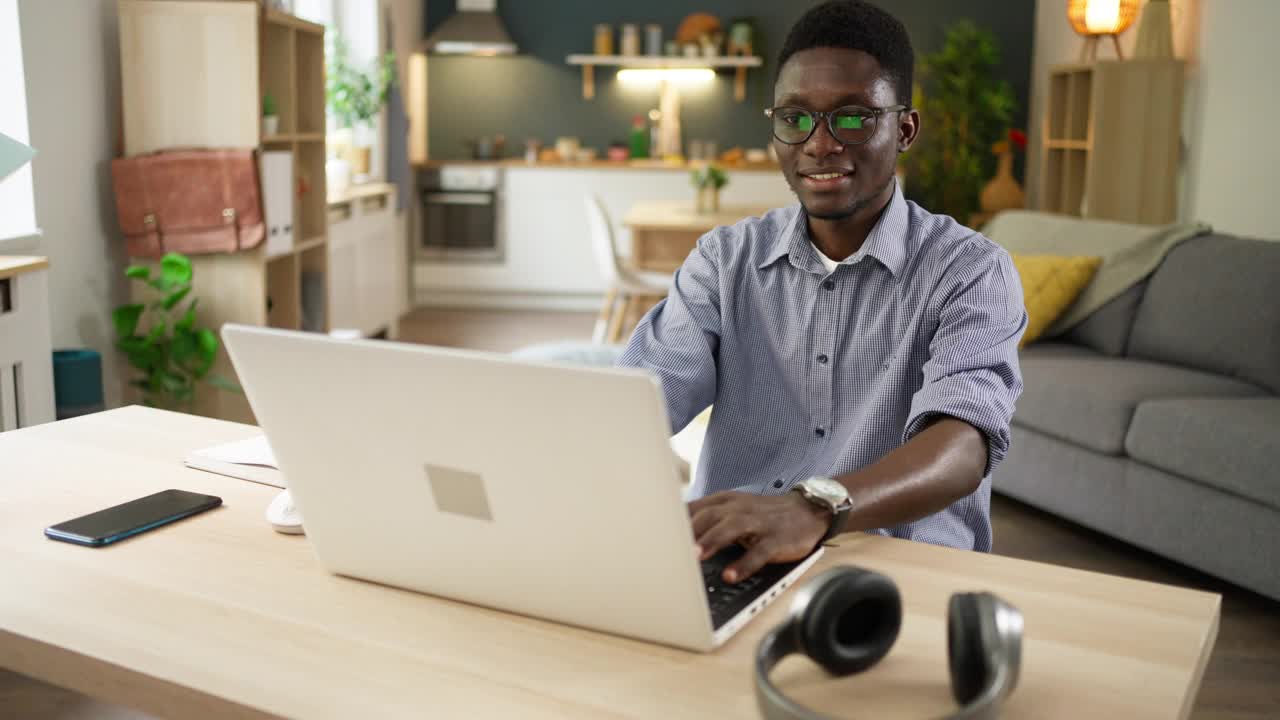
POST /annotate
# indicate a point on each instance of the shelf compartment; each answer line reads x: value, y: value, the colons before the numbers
x: 283, y: 294
x: 309, y: 205
x: 278, y: 74
x: 314, y: 279
x: 310, y: 83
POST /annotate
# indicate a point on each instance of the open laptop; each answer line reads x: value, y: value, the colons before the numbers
x: 542, y: 489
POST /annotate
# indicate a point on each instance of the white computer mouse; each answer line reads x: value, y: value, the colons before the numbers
x: 284, y: 516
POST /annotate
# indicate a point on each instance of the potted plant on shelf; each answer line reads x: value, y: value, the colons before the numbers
x: 354, y: 98
x: 707, y: 180
x: 162, y: 341
x: 270, y: 118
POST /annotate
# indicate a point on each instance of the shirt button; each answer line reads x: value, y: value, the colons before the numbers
x: 822, y: 359
x: 777, y: 483
x: 820, y: 432
x: 829, y: 285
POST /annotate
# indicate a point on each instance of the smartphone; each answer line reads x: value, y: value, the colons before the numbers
x: 128, y: 519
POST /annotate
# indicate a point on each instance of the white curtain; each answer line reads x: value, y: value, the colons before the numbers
x: 17, y: 206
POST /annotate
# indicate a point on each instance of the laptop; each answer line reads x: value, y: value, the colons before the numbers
x: 536, y: 488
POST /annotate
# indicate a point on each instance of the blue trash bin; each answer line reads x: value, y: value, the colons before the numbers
x: 77, y: 382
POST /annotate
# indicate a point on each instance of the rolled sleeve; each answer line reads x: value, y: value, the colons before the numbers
x: 972, y: 373
x: 677, y: 340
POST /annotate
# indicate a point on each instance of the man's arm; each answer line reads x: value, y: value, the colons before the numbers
x: 956, y: 432
x: 677, y: 340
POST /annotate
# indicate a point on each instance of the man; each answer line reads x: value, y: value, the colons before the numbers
x: 855, y: 338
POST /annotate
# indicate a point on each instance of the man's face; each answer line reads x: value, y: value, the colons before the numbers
x: 824, y: 79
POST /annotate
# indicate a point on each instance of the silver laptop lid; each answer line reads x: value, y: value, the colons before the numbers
x: 540, y: 489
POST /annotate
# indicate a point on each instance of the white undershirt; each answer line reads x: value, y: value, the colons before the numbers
x: 830, y: 264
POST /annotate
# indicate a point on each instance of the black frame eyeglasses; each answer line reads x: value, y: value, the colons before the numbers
x: 849, y: 125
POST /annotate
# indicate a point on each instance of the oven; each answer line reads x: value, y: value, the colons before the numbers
x: 460, y: 214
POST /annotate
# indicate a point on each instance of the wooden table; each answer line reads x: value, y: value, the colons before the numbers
x: 664, y: 233
x: 219, y: 616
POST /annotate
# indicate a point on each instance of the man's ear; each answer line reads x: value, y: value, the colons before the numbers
x: 908, y: 129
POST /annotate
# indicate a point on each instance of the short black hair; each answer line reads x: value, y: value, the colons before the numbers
x: 856, y: 25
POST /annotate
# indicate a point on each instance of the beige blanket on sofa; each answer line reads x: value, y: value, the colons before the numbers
x: 1129, y: 252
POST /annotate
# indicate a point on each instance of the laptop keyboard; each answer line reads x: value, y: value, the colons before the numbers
x: 729, y: 599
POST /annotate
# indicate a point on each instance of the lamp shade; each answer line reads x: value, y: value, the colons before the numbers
x: 1101, y: 17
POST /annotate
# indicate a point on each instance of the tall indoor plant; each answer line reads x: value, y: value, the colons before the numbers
x: 966, y: 109
x: 161, y: 339
x: 355, y: 96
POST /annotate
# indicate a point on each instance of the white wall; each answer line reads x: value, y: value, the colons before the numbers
x: 71, y: 55
x: 1233, y: 169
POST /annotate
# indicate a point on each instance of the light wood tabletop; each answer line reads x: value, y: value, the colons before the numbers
x: 13, y: 265
x: 683, y: 216
x: 219, y: 616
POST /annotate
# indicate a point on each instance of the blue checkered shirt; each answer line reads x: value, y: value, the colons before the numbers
x: 817, y: 373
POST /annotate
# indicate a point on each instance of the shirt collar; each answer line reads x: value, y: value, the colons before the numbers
x: 886, y: 243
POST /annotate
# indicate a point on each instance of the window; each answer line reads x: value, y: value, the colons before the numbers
x: 17, y: 205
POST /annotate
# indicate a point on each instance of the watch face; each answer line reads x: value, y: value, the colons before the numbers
x: 828, y: 490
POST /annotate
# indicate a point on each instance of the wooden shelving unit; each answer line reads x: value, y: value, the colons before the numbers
x: 1110, y: 140
x: 193, y: 75
x: 738, y: 63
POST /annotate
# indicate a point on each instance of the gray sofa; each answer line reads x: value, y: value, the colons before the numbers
x: 1157, y: 420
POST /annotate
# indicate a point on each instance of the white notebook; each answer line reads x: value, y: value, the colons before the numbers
x: 249, y: 459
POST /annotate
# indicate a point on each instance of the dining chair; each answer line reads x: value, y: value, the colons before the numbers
x: 625, y: 286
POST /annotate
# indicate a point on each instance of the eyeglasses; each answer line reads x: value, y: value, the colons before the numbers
x: 849, y: 125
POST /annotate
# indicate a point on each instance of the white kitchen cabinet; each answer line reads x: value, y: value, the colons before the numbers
x: 548, y: 261
x: 26, y: 354
x: 367, y: 261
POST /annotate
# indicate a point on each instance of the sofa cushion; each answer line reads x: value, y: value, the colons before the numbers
x: 1050, y: 283
x: 1107, y: 329
x: 1075, y: 394
x: 1214, y: 304
x: 1232, y: 444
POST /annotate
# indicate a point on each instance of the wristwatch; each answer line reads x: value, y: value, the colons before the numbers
x: 828, y: 495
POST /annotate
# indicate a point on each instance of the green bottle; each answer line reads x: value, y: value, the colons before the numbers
x: 639, y: 138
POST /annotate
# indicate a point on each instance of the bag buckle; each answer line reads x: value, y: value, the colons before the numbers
x: 149, y: 219
x: 229, y: 214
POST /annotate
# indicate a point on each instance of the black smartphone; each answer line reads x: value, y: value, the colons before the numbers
x: 128, y: 519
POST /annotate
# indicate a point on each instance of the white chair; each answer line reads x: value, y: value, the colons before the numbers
x: 623, y: 283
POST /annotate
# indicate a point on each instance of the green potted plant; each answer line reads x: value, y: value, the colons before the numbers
x: 161, y: 339
x: 270, y: 116
x: 966, y: 110
x: 707, y: 180
x: 355, y: 96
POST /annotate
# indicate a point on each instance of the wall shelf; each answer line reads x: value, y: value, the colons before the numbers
x: 660, y: 62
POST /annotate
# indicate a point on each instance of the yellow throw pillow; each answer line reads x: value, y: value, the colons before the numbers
x: 1050, y: 283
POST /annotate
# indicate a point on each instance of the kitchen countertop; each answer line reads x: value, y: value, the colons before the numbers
x: 591, y: 165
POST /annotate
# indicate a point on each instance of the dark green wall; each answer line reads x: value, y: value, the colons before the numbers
x: 537, y: 95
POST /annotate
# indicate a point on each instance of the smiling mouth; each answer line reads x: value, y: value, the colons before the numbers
x: 824, y: 180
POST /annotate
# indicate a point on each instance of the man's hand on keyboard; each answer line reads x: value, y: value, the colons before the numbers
x: 773, y: 528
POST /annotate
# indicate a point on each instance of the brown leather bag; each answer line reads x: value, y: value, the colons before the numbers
x: 195, y: 202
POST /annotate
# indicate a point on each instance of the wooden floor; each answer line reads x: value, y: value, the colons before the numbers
x: 1242, y: 680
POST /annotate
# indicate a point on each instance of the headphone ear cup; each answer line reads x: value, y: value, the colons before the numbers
x: 966, y: 650
x: 851, y: 620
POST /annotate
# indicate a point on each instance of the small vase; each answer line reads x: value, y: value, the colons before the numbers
x: 360, y: 160
x: 270, y: 125
x: 1003, y: 192
x: 714, y: 199
x: 1155, y: 31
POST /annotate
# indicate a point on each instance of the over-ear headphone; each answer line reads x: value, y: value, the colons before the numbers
x: 847, y: 618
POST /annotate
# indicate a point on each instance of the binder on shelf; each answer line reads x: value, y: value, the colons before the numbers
x: 277, y: 201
